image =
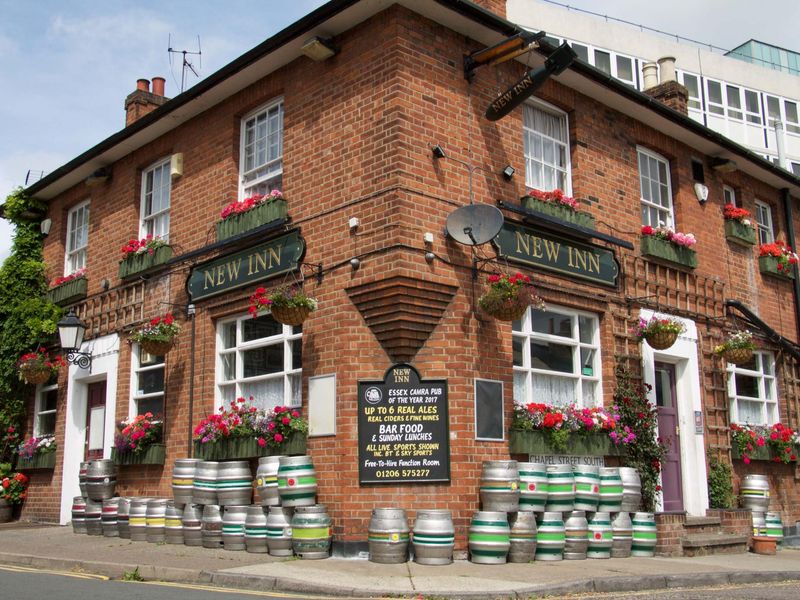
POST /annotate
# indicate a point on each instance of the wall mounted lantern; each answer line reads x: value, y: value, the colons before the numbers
x: 70, y: 331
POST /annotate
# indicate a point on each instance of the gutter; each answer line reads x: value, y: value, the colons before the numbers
x: 786, y: 199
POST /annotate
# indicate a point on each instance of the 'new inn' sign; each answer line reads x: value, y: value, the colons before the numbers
x: 554, y: 253
x: 246, y: 267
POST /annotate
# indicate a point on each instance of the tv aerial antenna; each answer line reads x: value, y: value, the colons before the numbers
x: 187, y: 64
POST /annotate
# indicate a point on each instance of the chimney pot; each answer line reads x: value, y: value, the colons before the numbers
x: 650, y: 74
x: 143, y: 84
x: 666, y: 65
x: 158, y: 86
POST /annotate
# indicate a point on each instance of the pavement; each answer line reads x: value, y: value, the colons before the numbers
x: 58, y: 548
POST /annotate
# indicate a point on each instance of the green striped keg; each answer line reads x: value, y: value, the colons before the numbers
x: 601, y: 536
x: 576, y: 535
x: 297, y: 481
x: 532, y: 486
x: 550, y: 536
x: 499, y: 488
x: 610, y: 490
x: 255, y: 529
x: 233, y: 527
x: 311, y: 532
x: 388, y: 536
x: 489, y: 537
x: 644, y: 534
x: 560, y: 489
x: 523, y: 537
x: 774, y: 527
x: 234, y: 484
x: 622, y: 532
x: 587, y: 487
x: 267, y: 480
x: 204, y: 486
x: 755, y: 492
x: 279, y: 531
x: 434, y: 537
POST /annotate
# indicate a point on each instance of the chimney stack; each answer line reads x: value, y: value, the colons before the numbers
x: 142, y: 101
x: 668, y: 91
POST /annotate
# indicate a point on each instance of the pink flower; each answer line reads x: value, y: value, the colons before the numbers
x: 278, y: 437
x: 262, y: 442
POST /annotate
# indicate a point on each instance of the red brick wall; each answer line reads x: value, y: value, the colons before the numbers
x: 358, y: 132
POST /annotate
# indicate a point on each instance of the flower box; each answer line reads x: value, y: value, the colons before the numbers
x: 42, y: 461
x: 760, y: 453
x: 768, y: 265
x: 69, y: 292
x: 255, y: 217
x: 657, y: 248
x: 133, y: 264
x: 153, y: 455
x: 559, y: 211
x: 737, y: 232
x: 240, y: 448
x: 536, y: 442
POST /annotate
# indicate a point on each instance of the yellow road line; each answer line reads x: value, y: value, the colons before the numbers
x: 20, y: 569
x: 227, y: 590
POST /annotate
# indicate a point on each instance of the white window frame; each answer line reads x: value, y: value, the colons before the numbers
x: 767, y: 389
x: 694, y: 102
x: 566, y: 171
x: 75, y: 257
x: 668, y: 212
x: 136, y: 369
x: 712, y: 106
x: 729, y: 195
x: 285, y: 337
x: 42, y: 391
x: 523, y: 330
x: 272, y: 177
x: 763, y: 217
x: 162, y: 215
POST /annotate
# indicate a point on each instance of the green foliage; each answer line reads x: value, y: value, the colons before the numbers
x: 27, y: 318
x: 132, y: 575
x: 720, y: 484
x: 647, y: 451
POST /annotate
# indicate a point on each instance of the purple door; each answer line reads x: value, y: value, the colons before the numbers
x: 669, y: 432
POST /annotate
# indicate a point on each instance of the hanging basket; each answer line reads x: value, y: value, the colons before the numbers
x: 157, y: 347
x: 509, y: 311
x: 737, y: 356
x: 661, y: 340
x: 35, y: 374
x: 290, y: 315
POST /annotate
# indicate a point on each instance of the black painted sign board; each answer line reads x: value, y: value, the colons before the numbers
x: 403, y: 428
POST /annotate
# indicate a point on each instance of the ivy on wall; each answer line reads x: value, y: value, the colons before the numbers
x: 27, y: 318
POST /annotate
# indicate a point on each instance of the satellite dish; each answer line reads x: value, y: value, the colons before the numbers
x: 474, y: 224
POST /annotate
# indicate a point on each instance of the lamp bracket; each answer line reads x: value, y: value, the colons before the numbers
x: 82, y: 359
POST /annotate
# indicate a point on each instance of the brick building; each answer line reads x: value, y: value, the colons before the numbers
x: 351, y: 136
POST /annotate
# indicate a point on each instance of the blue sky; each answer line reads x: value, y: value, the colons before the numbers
x: 66, y: 66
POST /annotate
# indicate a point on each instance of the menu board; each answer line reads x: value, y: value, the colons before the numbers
x: 403, y: 433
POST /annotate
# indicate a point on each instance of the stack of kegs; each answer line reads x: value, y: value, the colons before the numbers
x: 533, y: 511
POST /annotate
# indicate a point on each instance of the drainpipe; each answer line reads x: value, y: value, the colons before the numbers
x: 190, y: 312
x: 787, y: 208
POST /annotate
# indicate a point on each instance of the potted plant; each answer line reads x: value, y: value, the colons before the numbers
x: 282, y: 428
x: 288, y: 304
x: 38, y: 453
x: 69, y: 289
x: 13, y: 490
x: 737, y: 348
x: 559, y: 205
x: 539, y: 428
x: 777, y: 259
x: 158, y: 336
x: 39, y: 367
x: 776, y: 443
x: 508, y: 297
x: 739, y: 226
x: 669, y: 245
x: 660, y: 332
x: 240, y: 216
x: 138, y: 441
x: 143, y: 255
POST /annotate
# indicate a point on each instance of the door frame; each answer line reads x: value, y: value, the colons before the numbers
x: 684, y: 355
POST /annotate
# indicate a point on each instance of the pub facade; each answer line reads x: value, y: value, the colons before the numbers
x: 350, y: 139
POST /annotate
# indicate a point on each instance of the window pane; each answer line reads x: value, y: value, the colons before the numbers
x: 552, y: 389
x: 151, y: 405
x: 297, y: 353
x: 551, y: 357
x: 521, y: 387
x: 47, y: 424
x: 746, y: 385
x: 229, y: 335
x: 586, y: 329
x: 228, y: 366
x: 582, y: 51
x: 750, y: 412
x: 552, y: 323
x: 589, y: 391
x: 263, y: 361
x: 602, y: 60
x: 151, y: 381
x: 266, y: 394
x: 147, y: 360
x: 296, y: 389
x: 587, y: 362
x: 714, y: 92
x: 624, y: 68
x: 517, y: 345
x: 260, y: 327
x: 49, y: 400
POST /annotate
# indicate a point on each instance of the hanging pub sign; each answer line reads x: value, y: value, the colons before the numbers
x: 554, y: 253
x: 246, y: 267
x: 403, y: 433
